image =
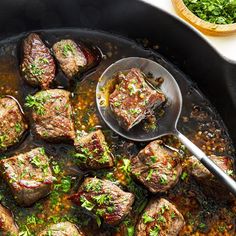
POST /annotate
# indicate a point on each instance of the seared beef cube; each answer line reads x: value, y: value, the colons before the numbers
x: 156, y: 167
x: 52, y: 114
x: 28, y: 176
x: 12, y: 123
x: 38, y: 67
x: 7, y: 224
x: 61, y: 229
x: 211, y: 185
x: 133, y: 99
x: 69, y: 56
x: 160, y: 218
x: 104, y: 199
x: 92, y: 151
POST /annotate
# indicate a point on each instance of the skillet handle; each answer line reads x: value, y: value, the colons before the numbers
x: 208, y: 163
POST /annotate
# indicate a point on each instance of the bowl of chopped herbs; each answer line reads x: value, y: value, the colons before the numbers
x: 214, y: 17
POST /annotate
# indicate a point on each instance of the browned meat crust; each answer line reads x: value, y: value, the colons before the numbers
x: 7, y: 224
x: 28, y: 175
x: 156, y: 167
x: 92, y: 151
x: 69, y: 56
x: 62, y: 229
x: 133, y: 99
x: 104, y: 199
x: 38, y: 66
x: 160, y: 218
x: 210, y: 184
x: 12, y: 123
x: 52, y: 115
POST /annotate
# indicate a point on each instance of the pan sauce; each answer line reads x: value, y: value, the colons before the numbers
x: 199, y: 121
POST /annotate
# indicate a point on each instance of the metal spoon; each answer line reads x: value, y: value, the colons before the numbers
x: 167, y: 124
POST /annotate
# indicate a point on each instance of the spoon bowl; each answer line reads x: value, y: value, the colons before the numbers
x: 166, y: 124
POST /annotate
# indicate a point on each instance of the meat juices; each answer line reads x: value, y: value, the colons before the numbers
x: 52, y: 115
x: 28, y: 176
x: 38, y: 66
x: 156, y: 167
x: 12, y: 124
x: 92, y: 151
x: 61, y: 229
x: 7, y: 224
x: 133, y: 99
x: 161, y: 218
x: 210, y: 184
x: 104, y: 199
x: 69, y: 56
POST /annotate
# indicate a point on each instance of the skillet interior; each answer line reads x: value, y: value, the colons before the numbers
x: 198, y: 116
x: 176, y: 41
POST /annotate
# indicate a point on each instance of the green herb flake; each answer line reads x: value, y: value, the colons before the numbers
x: 163, y: 179
x: 149, y: 176
x: 214, y: 11
x: 18, y: 127
x: 67, y: 49
x: 184, y: 175
x: 36, y: 103
x: 147, y: 219
x: 155, y: 231
x: 86, y: 204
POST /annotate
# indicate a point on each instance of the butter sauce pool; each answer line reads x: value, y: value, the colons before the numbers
x: 199, y: 121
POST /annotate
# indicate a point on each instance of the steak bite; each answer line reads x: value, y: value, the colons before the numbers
x: 156, y: 167
x: 38, y: 67
x: 70, y: 57
x: 160, y: 218
x: 92, y: 151
x: 207, y: 180
x: 52, y: 114
x: 133, y: 99
x: 12, y: 123
x: 61, y: 229
x: 28, y: 176
x: 104, y: 199
x: 7, y: 224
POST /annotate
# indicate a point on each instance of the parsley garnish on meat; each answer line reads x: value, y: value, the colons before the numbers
x: 155, y: 231
x: 146, y: 218
x: 67, y: 49
x: 18, y: 127
x: 86, y: 204
x: 3, y: 138
x: 214, y: 11
x: 36, y: 103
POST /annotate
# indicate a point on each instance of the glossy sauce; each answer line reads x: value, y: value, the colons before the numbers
x: 199, y: 121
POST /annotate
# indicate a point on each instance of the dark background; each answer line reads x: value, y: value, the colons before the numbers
x: 214, y: 75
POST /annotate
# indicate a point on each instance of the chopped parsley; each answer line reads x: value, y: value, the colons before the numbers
x: 36, y: 103
x: 18, y: 127
x: 94, y: 186
x: 214, y: 11
x: 230, y: 172
x: 35, y: 70
x: 155, y: 231
x: 149, y: 176
x: 86, y: 204
x: 163, y: 179
x: 3, y: 138
x: 102, y: 199
x: 147, y: 219
x: 67, y: 49
x: 184, y: 175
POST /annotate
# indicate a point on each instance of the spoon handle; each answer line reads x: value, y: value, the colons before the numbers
x: 208, y: 163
